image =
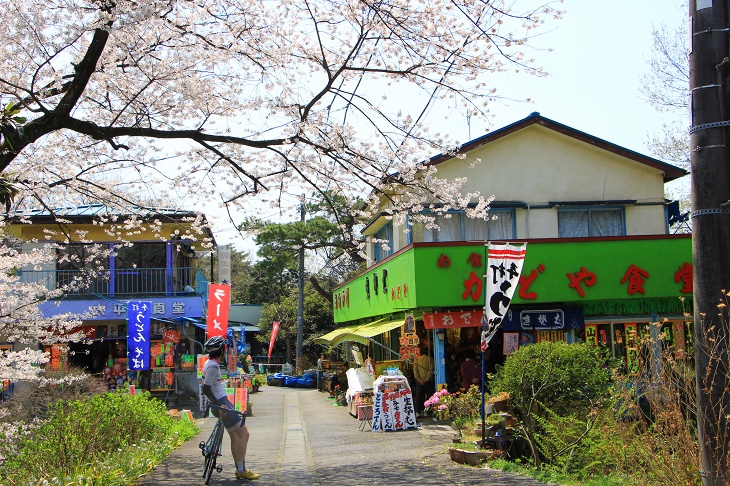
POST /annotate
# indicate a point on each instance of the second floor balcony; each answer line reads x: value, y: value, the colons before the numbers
x: 120, y: 282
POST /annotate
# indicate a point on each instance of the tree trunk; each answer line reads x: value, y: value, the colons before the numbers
x: 288, y: 354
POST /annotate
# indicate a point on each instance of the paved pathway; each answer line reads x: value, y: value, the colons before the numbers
x: 299, y: 438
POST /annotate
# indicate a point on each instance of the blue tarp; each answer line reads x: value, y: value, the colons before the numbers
x: 305, y: 381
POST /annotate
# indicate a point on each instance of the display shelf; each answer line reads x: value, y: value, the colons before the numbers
x: 359, y: 399
x: 161, y: 379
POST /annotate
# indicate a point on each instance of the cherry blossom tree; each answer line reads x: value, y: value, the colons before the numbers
x: 223, y: 103
x: 21, y: 320
x: 232, y: 98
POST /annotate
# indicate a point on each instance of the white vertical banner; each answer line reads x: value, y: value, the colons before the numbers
x: 393, y: 406
x: 224, y: 264
x: 504, y: 267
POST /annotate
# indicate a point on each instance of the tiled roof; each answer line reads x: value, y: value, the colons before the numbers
x: 102, y: 209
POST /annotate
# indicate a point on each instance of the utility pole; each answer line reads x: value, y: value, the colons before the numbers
x: 300, y: 306
x: 710, y: 168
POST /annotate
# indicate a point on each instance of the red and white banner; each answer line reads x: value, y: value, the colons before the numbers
x: 219, y: 303
x: 447, y: 320
x: 504, y: 266
x: 274, y: 332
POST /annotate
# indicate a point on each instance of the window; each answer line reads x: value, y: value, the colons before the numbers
x: 141, y: 255
x: 633, y: 342
x: 77, y: 257
x: 383, y: 236
x: 449, y: 228
x: 387, y: 342
x: 140, y: 268
x: 577, y: 223
x: 83, y: 268
x: 500, y: 226
x: 617, y: 337
x: 459, y: 227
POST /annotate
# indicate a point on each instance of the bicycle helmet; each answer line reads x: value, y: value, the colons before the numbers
x: 215, y: 343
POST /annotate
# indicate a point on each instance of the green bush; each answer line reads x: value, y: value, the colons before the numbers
x: 558, y: 375
x: 259, y: 379
x: 557, y: 390
x: 86, y: 436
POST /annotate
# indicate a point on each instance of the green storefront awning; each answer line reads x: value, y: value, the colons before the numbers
x: 632, y: 275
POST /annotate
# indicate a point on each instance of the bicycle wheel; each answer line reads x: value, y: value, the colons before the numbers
x: 215, y: 449
x: 208, y: 451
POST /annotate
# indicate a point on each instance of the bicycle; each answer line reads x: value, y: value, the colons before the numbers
x: 211, y: 448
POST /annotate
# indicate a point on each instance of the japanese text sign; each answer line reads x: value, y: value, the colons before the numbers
x: 542, y: 319
x: 393, y: 408
x: 446, y: 320
x: 510, y: 343
x: 504, y: 266
x: 138, y: 335
x: 170, y: 336
x: 219, y: 303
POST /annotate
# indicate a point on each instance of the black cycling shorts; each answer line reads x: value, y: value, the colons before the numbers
x: 230, y: 420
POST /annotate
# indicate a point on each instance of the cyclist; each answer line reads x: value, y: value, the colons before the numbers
x: 213, y: 389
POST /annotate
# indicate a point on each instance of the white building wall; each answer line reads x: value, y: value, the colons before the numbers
x: 537, y: 166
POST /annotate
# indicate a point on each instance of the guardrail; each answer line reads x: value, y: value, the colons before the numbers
x: 120, y: 281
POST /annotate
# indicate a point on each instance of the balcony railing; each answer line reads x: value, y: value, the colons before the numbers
x: 121, y: 281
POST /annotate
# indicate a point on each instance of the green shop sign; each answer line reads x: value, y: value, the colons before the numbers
x: 612, y: 275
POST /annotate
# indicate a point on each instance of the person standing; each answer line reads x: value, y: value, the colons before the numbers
x: 471, y: 370
x: 423, y: 373
x: 320, y: 371
x: 216, y: 393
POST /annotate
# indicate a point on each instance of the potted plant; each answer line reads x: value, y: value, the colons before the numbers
x: 472, y: 454
x: 436, y: 404
x: 461, y: 424
x: 340, y: 396
x: 495, y: 420
x: 258, y: 380
x: 499, y: 402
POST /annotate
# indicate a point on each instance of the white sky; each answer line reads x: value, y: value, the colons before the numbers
x: 599, y: 55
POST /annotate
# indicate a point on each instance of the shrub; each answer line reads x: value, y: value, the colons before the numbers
x: 465, y: 405
x: 548, y: 381
x: 259, y: 379
x: 87, y: 433
x: 659, y: 408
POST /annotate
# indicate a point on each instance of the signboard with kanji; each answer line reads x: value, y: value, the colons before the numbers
x: 511, y: 343
x: 138, y: 335
x: 572, y: 272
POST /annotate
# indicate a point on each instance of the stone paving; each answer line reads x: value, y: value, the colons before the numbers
x: 299, y: 438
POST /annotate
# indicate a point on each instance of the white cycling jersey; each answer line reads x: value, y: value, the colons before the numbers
x: 212, y: 378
